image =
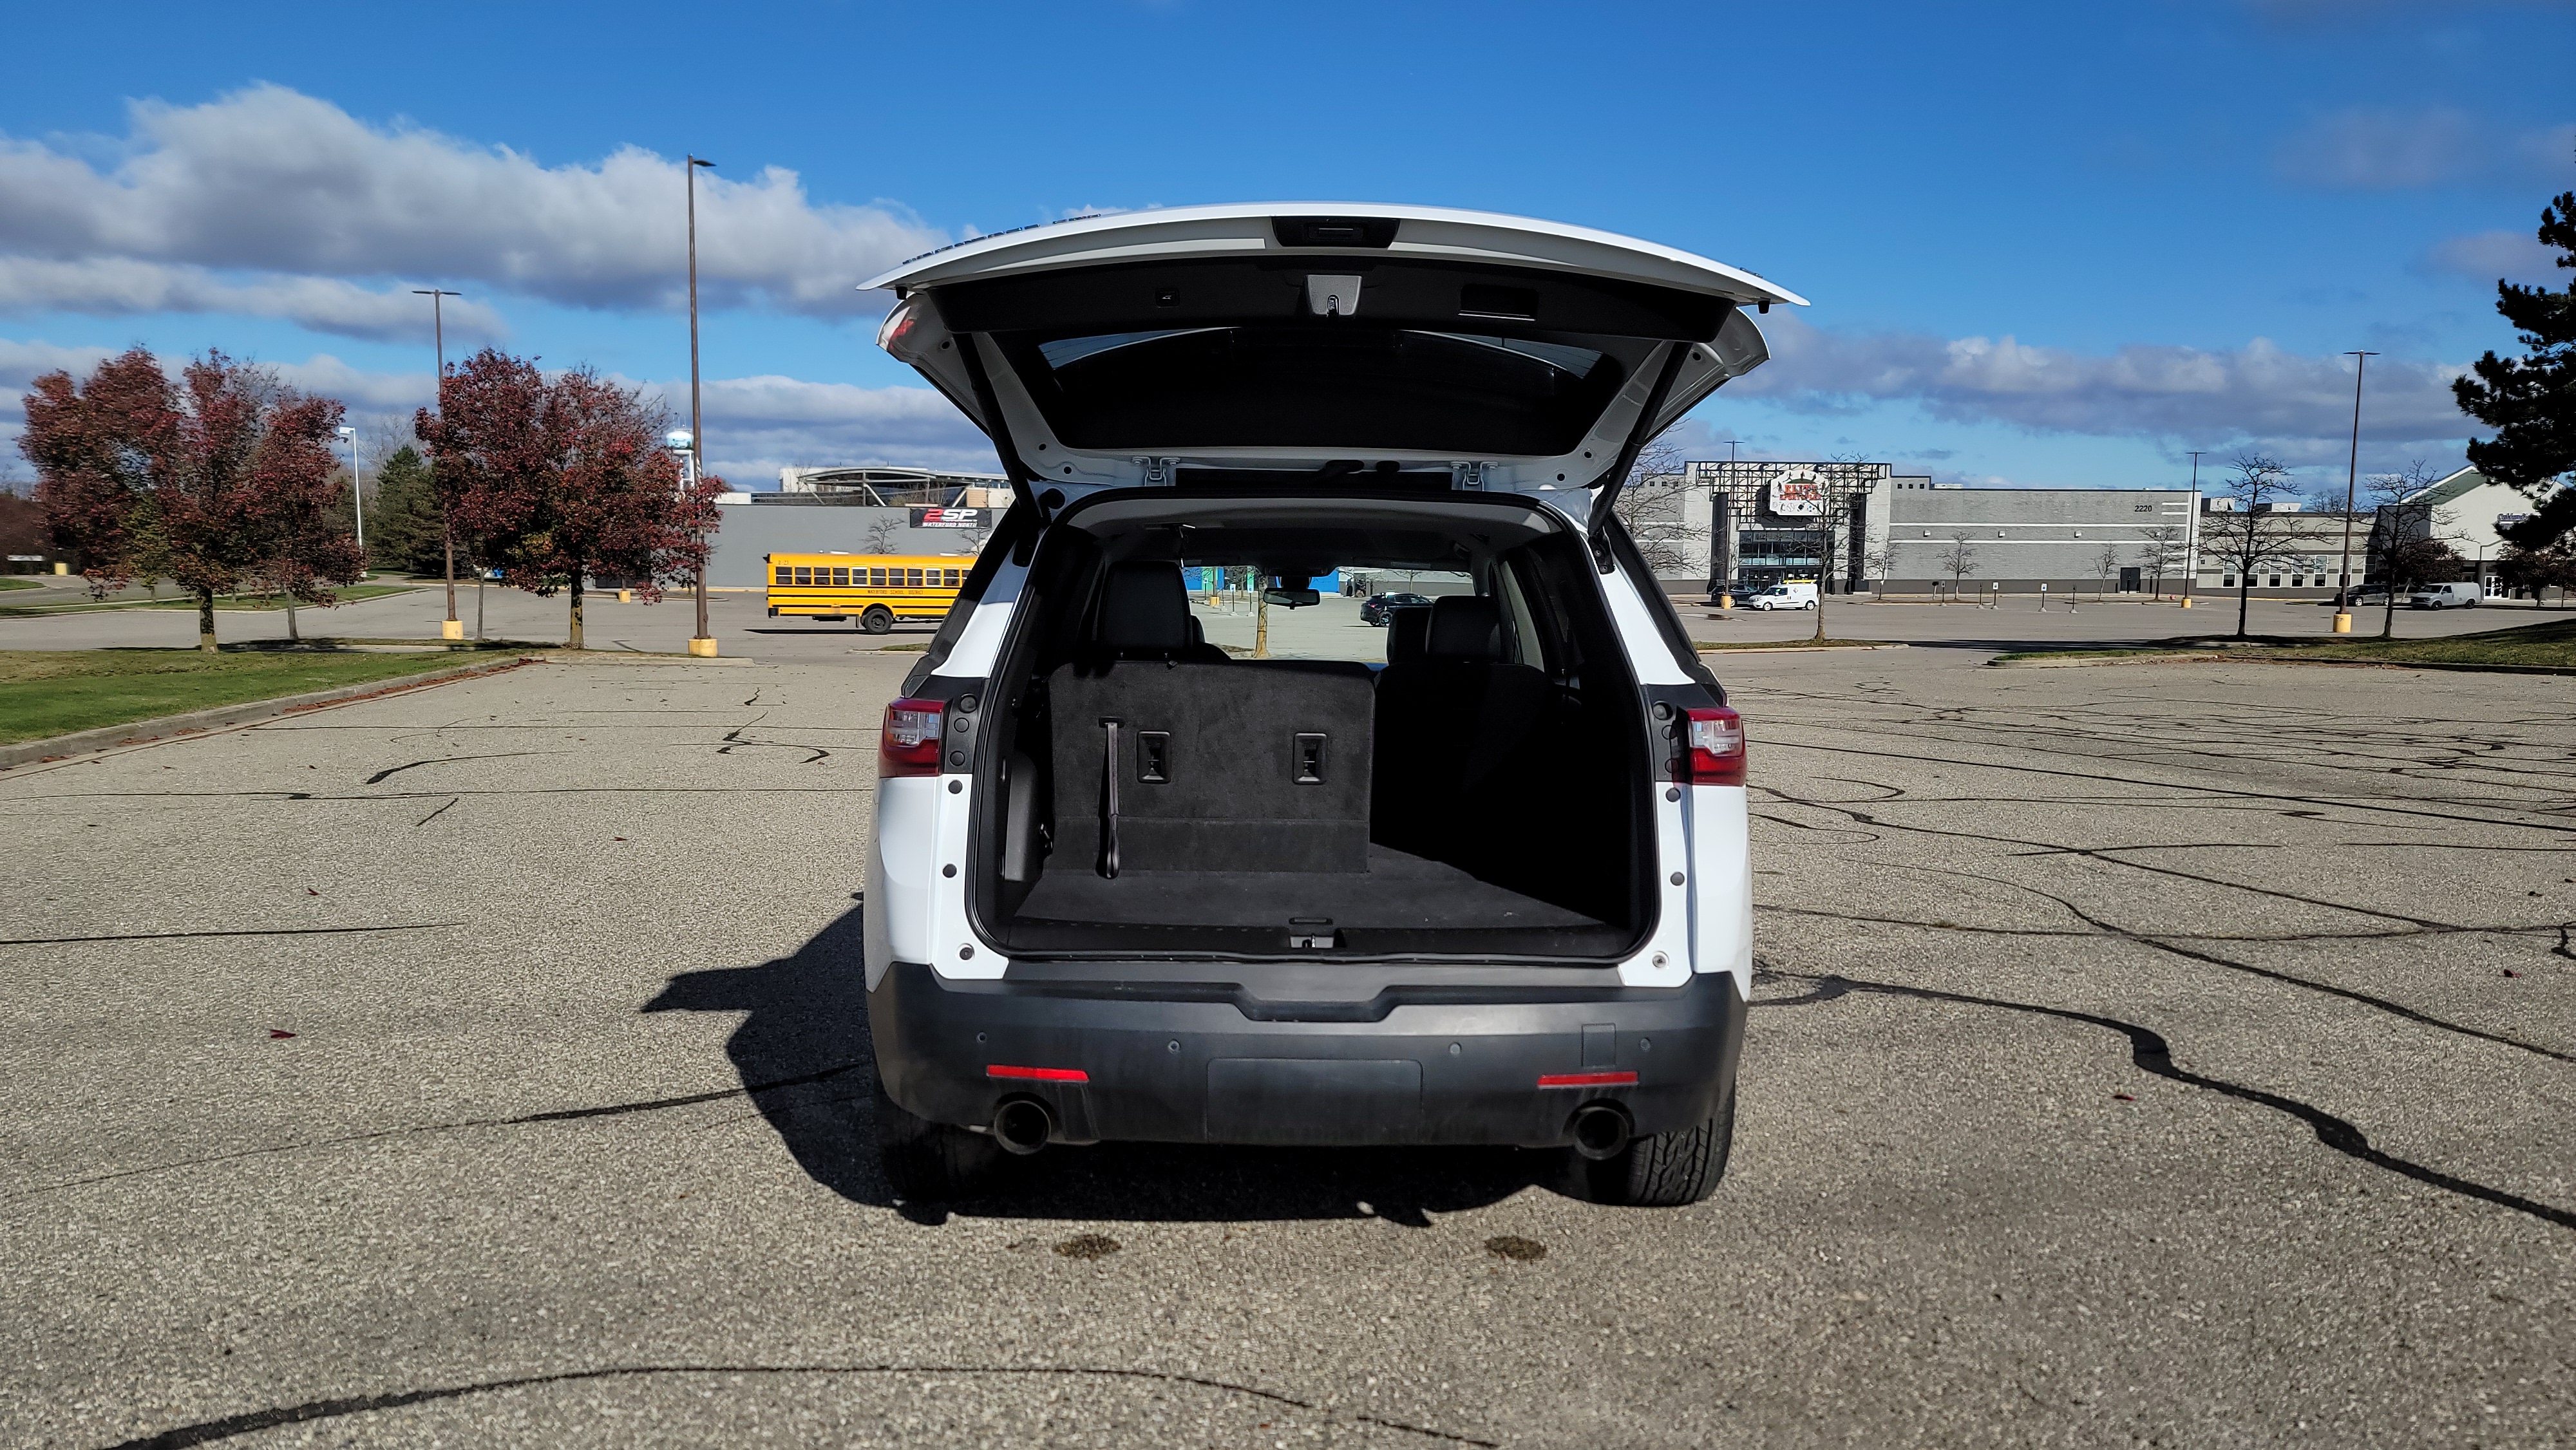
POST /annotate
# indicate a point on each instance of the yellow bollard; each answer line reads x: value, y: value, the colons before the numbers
x: 62, y: 566
x: 2186, y: 601
x: 2343, y: 623
x: 451, y: 629
x: 625, y: 596
x: 704, y: 649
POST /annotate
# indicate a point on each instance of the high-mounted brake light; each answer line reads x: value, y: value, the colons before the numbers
x: 1714, y: 753
x: 1587, y: 1079
x: 1037, y: 1074
x: 910, y: 744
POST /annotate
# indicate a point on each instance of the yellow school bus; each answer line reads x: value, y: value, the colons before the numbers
x: 874, y: 589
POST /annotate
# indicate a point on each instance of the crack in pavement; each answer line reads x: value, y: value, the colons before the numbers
x: 2150, y: 1053
x: 556, y: 1115
x: 379, y: 777
x: 2165, y: 943
x: 2250, y: 795
x: 251, y: 1422
x: 57, y: 941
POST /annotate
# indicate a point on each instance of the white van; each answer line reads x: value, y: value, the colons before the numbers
x: 1491, y: 888
x: 2459, y: 594
x: 1796, y: 594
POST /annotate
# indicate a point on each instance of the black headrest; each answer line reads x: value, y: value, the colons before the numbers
x: 1466, y: 627
x: 1144, y: 609
x: 1408, y: 633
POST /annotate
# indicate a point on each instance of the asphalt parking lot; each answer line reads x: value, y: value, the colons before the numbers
x: 2164, y: 1054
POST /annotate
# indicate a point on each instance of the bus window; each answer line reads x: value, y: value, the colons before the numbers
x: 912, y: 578
x: 840, y: 578
x: 804, y: 574
x: 786, y: 575
x: 949, y: 579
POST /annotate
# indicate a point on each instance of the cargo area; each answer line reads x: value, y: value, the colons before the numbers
x: 1478, y: 792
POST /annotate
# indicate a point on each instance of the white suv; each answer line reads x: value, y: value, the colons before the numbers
x: 1161, y: 858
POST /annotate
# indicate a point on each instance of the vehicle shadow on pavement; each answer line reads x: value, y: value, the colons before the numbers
x: 805, y: 1061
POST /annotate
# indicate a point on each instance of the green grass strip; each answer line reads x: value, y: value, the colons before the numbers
x: 45, y: 693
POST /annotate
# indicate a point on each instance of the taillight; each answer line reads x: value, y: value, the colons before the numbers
x: 910, y: 744
x: 1714, y: 753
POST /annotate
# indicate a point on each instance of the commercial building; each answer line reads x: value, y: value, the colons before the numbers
x: 1936, y: 537
x: 2296, y: 554
x: 2468, y: 511
x: 756, y: 525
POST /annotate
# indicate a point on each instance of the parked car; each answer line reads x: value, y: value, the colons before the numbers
x: 1796, y: 594
x: 1125, y: 887
x: 1730, y: 588
x: 2363, y: 595
x: 2456, y: 595
x: 1376, y: 608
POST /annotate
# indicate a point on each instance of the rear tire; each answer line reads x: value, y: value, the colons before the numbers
x: 929, y: 1162
x: 1662, y: 1170
x: 878, y: 620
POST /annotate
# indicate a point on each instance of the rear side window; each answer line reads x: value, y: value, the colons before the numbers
x: 786, y: 575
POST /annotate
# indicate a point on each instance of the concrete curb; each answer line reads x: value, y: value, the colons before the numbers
x: 224, y: 717
x: 2202, y: 659
x: 1798, y: 649
x: 628, y: 657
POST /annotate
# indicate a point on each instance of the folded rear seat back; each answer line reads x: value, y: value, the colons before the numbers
x: 1234, y: 767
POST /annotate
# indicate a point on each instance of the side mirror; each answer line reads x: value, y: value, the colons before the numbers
x: 1290, y: 598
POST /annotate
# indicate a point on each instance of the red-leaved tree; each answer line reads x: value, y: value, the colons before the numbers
x: 222, y: 479
x: 556, y: 480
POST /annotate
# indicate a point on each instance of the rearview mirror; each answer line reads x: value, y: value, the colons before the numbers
x: 1290, y: 598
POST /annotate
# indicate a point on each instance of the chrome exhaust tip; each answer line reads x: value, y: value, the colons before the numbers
x: 1022, y: 1126
x: 1600, y: 1131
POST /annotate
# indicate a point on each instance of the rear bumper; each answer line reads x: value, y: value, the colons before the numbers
x: 1200, y: 1062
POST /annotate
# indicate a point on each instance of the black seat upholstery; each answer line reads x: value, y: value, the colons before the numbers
x: 1408, y: 634
x: 1240, y: 767
x: 1145, y: 615
x: 1455, y: 728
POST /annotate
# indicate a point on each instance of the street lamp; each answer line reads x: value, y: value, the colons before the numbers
x: 702, y: 643
x: 357, y: 495
x: 451, y: 627
x: 2351, y: 480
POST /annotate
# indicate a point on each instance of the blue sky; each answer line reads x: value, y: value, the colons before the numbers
x: 2046, y: 244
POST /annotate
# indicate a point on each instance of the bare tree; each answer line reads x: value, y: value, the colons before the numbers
x: 1651, y: 508
x: 2165, y: 546
x: 1876, y: 565
x: 881, y: 536
x: 2404, y: 529
x: 2105, y: 564
x: 2252, y: 534
x: 1959, y: 560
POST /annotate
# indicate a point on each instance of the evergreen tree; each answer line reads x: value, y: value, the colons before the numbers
x: 2531, y: 400
x: 404, y: 529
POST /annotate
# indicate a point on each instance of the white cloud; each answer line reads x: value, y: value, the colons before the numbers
x: 275, y: 184
x: 755, y: 426
x: 122, y: 286
x: 2256, y: 395
x: 2486, y: 256
x: 2364, y: 148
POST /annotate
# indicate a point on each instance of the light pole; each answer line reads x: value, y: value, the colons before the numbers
x: 702, y: 643
x: 451, y: 627
x: 2351, y: 480
x: 2191, y: 533
x: 357, y: 496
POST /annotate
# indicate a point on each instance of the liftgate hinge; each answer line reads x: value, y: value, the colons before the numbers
x: 1159, y: 470
x: 1470, y: 476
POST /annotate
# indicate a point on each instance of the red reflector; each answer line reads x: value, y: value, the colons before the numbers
x: 910, y: 744
x: 1587, y: 1079
x: 1714, y: 752
x: 1053, y: 1074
